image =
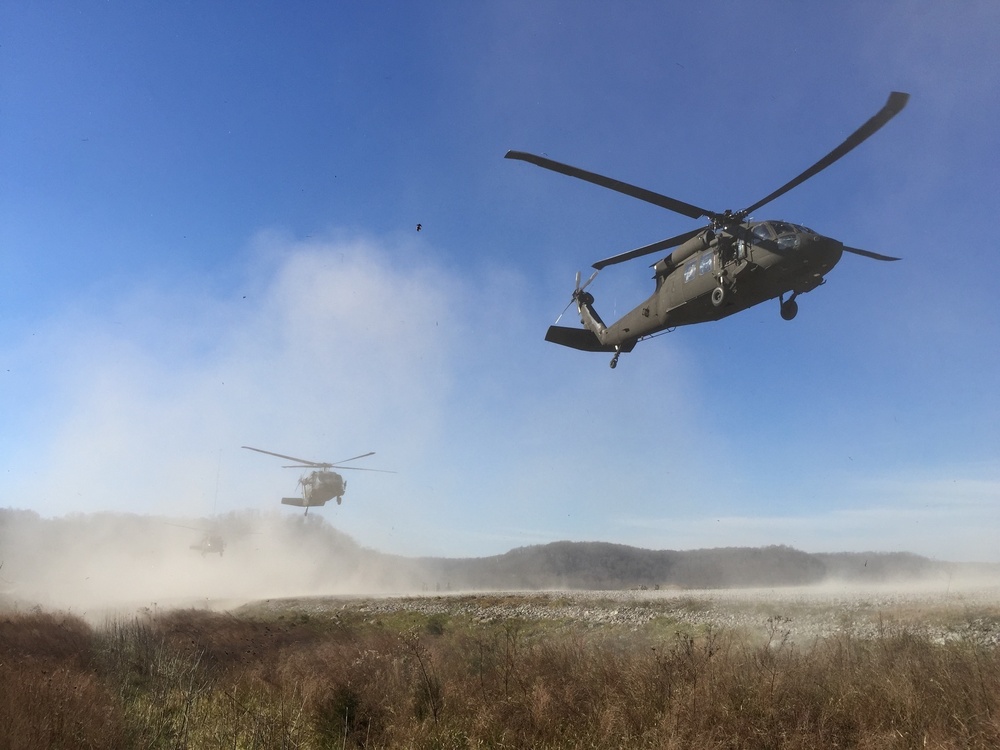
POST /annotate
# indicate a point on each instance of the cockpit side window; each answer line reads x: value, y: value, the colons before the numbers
x: 788, y: 242
x: 761, y: 233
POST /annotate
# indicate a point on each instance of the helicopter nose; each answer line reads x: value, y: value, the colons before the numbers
x: 825, y: 251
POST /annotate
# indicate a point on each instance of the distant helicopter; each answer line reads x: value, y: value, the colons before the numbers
x: 728, y: 266
x: 322, y: 485
x: 210, y: 542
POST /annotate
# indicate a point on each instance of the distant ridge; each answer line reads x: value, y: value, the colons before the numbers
x: 601, y: 565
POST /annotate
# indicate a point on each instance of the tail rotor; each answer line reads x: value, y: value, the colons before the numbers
x: 579, y: 296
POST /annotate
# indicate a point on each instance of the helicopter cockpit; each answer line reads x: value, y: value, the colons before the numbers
x: 784, y: 234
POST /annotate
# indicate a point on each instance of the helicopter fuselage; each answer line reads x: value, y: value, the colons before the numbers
x: 318, y: 487
x: 321, y: 485
x: 210, y: 543
x: 711, y: 277
x: 730, y: 265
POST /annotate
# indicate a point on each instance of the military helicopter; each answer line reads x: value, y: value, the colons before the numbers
x: 210, y: 542
x: 732, y: 264
x: 321, y: 485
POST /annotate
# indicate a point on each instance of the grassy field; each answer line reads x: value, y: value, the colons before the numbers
x: 508, y: 671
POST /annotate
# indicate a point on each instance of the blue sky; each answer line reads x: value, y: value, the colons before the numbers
x: 207, y: 240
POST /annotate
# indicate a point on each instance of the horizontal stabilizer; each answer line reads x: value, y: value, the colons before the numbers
x: 299, y: 502
x: 582, y: 339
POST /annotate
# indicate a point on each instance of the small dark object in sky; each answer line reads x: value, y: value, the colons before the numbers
x: 419, y: 227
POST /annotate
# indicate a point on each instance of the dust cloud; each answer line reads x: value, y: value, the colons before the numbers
x: 93, y: 564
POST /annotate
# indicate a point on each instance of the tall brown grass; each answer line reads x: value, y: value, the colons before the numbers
x: 194, y: 679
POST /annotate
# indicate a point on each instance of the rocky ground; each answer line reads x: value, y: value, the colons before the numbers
x: 942, y: 610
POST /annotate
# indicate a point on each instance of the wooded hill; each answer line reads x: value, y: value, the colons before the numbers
x: 598, y: 565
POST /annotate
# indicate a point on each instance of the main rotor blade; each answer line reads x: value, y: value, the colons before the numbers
x: 339, y: 464
x: 290, y: 458
x: 671, y: 204
x: 182, y: 526
x: 363, y: 455
x: 655, y: 247
x: 897, y: 100
x: 868, y: 254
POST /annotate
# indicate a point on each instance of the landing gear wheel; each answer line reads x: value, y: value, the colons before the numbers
x: 789, y: 309
x: 718, y: 296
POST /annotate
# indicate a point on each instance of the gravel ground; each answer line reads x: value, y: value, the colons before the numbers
x: 942, y: 611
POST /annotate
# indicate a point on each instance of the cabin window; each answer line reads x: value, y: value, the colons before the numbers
x: 689, y: 270
x: 705, y: 263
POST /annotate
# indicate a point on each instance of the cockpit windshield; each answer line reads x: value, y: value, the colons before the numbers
x: 783, y: 234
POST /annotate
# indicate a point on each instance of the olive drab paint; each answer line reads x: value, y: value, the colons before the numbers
x: 732, y: 264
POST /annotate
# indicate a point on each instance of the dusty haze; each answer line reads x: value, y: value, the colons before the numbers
x: 96, y: 564
x: 99, y: 562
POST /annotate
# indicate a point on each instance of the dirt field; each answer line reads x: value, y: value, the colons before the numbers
x: 942, y: 610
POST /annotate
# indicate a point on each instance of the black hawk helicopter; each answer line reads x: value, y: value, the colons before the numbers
x: 210, y: 542
x: 728, y: 266
x: 321, y: 485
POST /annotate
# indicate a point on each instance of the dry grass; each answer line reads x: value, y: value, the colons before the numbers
x: 195, y: 679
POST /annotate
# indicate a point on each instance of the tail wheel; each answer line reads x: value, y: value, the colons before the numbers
x: 789, y: 309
